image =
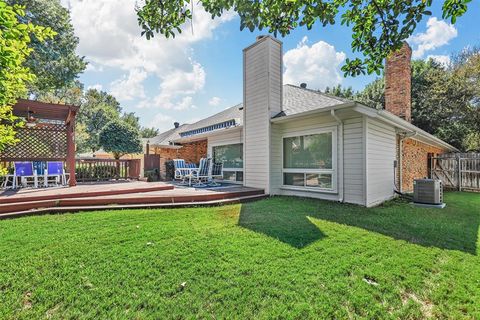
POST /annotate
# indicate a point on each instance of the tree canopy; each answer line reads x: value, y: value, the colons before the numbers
x: 15, y: 37
x: 445, y: 99
x: 378, y: 26
x: 120, y: 138
x: 53, y: 61
x: 149, y: 132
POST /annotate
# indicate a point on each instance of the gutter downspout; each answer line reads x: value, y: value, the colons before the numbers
x: 400, y: 157
x: 341, y: 178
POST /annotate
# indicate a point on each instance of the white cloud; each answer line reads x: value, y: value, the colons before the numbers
x: 438, y: 34
x: 161, y: 121
x: 110, y: 37
x: 94, y: 68
x: 181, y: 82
x: 442, y: 59
x: 214, y: 101
x: 131, y: 87
x: 168, y: 102
x: 317, y: 65
x: 97, y: 86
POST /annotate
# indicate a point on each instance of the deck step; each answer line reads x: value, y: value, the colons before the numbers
x: 84, y: 194
x: 71, y: 209
x: 131, y: 199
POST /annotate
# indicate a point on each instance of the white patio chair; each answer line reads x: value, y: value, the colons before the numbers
x: 182, y: 172
x: 215, y: 173
x: 202, y: 175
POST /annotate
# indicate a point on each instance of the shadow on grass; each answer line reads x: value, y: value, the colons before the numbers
x: 289, y: 227
x: 287, y: 219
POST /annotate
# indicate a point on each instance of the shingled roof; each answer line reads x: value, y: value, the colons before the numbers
x: 295, y: 100
x: 298, y: 100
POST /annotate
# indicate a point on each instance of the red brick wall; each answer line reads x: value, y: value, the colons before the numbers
x: 398, y: 83
x: 194, y: 151
x: 191, y: 152
x: 415, y: 161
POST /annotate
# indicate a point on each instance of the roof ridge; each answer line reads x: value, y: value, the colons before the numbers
x: 319, y: 93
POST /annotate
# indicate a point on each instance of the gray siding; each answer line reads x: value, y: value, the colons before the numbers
x: 381, y: 153
x: 352, y: 184
x: 262, y: 100
x: 224, y: 138
x: 317, y: 122
x: 354, y: 158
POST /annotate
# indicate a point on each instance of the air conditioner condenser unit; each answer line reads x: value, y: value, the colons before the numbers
x: 428, y: 192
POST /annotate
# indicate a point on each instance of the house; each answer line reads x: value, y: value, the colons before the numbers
x: 291, y: 140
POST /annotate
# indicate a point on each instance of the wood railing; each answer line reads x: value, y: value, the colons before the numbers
x: 88, y: 170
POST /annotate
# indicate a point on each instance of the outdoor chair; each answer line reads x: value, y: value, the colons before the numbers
x: 215, y: 173
x: 55, y: 172
x: 202, y: 175
x: 182, y: 170
x: 24, y: 171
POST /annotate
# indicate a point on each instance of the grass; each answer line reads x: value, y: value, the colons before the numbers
x: 277, y: 258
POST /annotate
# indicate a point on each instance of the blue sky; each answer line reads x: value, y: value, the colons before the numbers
x: 199, y: 74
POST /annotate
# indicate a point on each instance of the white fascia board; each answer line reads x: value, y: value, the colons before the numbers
x: 398, y: 122
x: 312, y: 112
x: 165, y: 146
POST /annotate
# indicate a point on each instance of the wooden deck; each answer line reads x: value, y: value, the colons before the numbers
x: 117, y: 196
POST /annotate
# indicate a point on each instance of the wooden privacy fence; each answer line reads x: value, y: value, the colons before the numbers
x: 459, y: 171
x: 88, y: 170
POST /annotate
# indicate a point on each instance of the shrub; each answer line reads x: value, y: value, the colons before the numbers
x: 169, y: 170
x: 152, y: 175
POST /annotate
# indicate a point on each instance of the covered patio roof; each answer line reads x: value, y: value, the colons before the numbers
x: 49, y: 137
x: 46, y: 111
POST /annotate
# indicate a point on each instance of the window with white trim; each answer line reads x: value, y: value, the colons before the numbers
x: 231, y: 155
x: 309, y: 161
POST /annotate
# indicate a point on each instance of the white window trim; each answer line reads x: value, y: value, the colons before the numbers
x: 333, y: 171
x: 219, y: 144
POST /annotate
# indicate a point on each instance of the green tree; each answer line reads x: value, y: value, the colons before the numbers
x: 97, y: 110
x: 120, y: 138
x: 378, y: 26
x: 132, y: 119
x: 373, y: 95
x: 445, y: 99
x: 149, y: 132
x: 54, y: 61
x: 82, y: 138
x: 15, y: 37
x: 342, y: 92
x: 472, y: 142
x: 72, y: 94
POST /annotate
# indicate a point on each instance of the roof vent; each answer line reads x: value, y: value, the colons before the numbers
x: 176, y: 124
x: 303, y: 85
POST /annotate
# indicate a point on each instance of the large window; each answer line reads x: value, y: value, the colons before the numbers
x: 308, y: 161
x: 231, y: 156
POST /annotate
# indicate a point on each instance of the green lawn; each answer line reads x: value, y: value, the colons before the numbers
x: 276, y: 258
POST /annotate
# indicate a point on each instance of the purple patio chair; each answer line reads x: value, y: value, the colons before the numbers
x: 55, y: 170
x: 24, y: 171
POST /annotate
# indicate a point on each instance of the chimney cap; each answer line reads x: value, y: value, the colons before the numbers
x: 176, y: 125
x: 260, y: 37
x: 303, y: 85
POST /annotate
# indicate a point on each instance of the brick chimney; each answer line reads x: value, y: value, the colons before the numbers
x: 398, y: 83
